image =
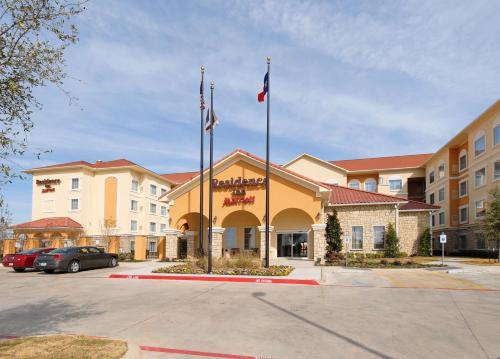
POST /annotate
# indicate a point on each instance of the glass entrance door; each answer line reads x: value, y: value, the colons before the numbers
x: 292, y: 244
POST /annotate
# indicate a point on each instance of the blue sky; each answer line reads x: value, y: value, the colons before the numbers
x: 349, y: 79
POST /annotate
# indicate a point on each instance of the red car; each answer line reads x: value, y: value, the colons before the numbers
x: 22, y: 260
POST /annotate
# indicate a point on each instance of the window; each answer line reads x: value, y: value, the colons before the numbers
x: 441, y: 194
x: 462, y: 160
x: 163, y: 210
x: 441, y: 171
x: 133, y: 225
x: 378, y: 237
x: 152, y: 227
x: 441, y: 218
x: 152, y: 208
x: 463, y: 241
x: 75, y: 204
x: 462, y: 188
x: 395, y: 185
x: 496, y: 170
x: 370, y: 185
x: 480, y: 210
x: 152, y: 190
x: 479, y: 146
x: 480, y: 241
x: 249, y: 238
x: 163, y: 227
x: 134, y: 205
x: 433, y: 218
x: 480, y: 177
x: 135, y: 186
x: 230, y: 238
x: 75, y: 183
x: 464, y: 214
x: 163, y: 191
x: 354, y: 184
x: 432, y: 198
x: 496, y: 135
x: 431, y: 176
x: 357, y: 237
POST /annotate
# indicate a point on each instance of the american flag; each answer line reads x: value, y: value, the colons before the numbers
x: 202, y: 97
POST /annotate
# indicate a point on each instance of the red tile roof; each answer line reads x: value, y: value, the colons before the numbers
x: 51, y: 222
x: 418, y: 206
x: 180, y: 177
x: 344, y: 195
x: 98, y: 164
x: 383, y: 163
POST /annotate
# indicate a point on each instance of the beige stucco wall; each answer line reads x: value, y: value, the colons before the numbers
x: 91, y: 195
x: 318, y: 170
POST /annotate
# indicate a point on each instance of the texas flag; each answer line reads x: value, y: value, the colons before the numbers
x: 262, y: 95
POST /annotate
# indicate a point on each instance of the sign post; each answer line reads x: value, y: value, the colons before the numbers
x: 346, y: 241
x: 442, y: 240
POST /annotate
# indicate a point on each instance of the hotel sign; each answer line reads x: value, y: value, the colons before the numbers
x: 47, y: 184
x: 238, y: 186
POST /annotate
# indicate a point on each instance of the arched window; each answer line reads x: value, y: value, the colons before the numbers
x: 354, y: 184
x: 462, y: 160
x: 371, y: 185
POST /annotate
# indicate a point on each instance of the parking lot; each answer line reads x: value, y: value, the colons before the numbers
x: 343, y: 319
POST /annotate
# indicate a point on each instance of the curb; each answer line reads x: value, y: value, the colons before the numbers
x: 258, y: 280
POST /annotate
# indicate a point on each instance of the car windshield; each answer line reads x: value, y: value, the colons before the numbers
x: 61, y: 250
x: 29, y: 251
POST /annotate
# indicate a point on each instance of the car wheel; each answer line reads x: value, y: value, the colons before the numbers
x: 48, y: 270
x: 73, y: 267
x: 19, y: 269
x: 113, y: 262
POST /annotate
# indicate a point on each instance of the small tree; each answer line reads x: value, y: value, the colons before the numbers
x: 491, y: 222
x: 333, y: 235
x: 391, y: 242
x: 424, y: 245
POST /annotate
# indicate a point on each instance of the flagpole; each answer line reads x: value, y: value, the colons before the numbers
x: 202, y: 110
x: 210, y: 195
x: 267, y: 158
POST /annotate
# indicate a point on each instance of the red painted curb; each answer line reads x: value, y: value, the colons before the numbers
x: 9, y: 337
x: 259, y: 280
x: 195, y: 353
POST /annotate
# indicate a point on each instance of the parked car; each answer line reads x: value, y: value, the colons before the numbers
x: 22, y: 260
x: 73, y: 259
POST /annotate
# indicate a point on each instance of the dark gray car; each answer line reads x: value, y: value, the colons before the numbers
x: 73, y: 259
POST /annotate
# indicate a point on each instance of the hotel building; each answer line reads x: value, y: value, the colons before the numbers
x: 126, y: 208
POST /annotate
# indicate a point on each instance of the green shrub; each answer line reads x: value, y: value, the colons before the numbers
x: 424, y: 243
x: 384, y: 261
x: 397, y: 262
x: 391, y: 243
x: 333, y: 235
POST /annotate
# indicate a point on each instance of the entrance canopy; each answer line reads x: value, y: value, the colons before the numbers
x: 47, y: 228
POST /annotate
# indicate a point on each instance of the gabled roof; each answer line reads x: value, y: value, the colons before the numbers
x: 341, y: 195
x: 384, y: 163
x: 180, y: 177
x: 318, y: 186
x: 50, y: 222
x: 418, y: 206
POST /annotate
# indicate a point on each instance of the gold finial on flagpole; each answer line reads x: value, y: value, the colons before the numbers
x: 269, y: 59
x: 203, y: 69
x: 212, y: 85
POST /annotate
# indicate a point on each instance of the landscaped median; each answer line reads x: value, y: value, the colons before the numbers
x: 62, y: 346
x: 363, y: 260
x: 237, y: 265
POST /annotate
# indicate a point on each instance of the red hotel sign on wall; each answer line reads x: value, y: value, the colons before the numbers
x: 238, y: 186
x: 47, y: 184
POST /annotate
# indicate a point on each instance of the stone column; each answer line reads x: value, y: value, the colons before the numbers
x: 217, y: 233
x: 171, y: 243
x: 319, y: 241
x: 191, y: 237
x: 140, y: 247
x: 262, y: 248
